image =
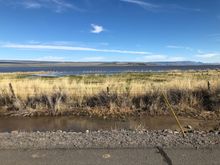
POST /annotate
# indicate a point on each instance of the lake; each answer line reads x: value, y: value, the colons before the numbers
x: 77, y: 70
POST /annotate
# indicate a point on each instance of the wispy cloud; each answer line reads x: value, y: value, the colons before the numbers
x: 160, y: 7
x: 179, y: 47
x: 49, y: 58
x: 215, y: 36
x: 94, y: 58
x: 70, y: 48
x: 31, y: 4
x: 96, y: 29
x: 55, y: 5
x: 104, y: 43
x: 208, y: 55
x: 151, y: 58
x: 177, y: 7
x: 156, y: 58
x: 143, y: 4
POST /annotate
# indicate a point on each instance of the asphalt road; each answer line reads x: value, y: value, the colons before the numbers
x: 147, y: 156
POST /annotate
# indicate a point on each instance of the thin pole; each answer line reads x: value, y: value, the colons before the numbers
x: 177, y: 120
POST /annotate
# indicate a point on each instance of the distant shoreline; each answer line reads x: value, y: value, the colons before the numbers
x: 61, y: 63
x: 79, y: 68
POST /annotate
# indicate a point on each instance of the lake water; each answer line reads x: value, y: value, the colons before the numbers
x: 77, y: 70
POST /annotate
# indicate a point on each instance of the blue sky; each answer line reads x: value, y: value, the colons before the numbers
x: 110, y: 30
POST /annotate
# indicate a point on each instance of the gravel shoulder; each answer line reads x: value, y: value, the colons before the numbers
x: 108, y: 139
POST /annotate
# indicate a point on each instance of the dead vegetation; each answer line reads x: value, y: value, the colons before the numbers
x: 192, y: 93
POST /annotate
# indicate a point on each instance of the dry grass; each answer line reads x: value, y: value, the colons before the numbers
x: 111, y: 95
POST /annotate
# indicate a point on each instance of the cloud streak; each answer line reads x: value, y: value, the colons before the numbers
x: 156, y: 58
x: 143, y: 4
x: 140, y: 55
x: 179, y: 47
x: 55, y: 5
x: 160, y: 7
x: 94, y: 58
x: 70, y: 48
x: 215, y: 37
x: 208, y: 55
x: 49, y: 58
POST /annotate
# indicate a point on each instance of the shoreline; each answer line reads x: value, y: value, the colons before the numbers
x: 204, y: 116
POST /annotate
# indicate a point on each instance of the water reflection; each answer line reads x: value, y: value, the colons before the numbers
x: 79, y: 124
x: 75, y: 70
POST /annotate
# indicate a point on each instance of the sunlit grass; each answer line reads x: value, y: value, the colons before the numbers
x: 76, y: 92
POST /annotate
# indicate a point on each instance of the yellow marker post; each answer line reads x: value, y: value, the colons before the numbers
x: 177, y: 120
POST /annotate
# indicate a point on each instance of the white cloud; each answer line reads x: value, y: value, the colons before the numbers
x: 177, y: 58
x: 70, y: 48
x: 49, y: 58
x: 156, y: 58
x: 55, y: 5
x: 208, y: 55
x: 94, y: 58
x: 104, y: 43
x: 181, y: 8
x: 31, y: 4
x: 161, y: 7
x: 213, y: 57
x: 200, y: 51
x: 96, y: 29
x: 180, y: 47
x: 145, y: 5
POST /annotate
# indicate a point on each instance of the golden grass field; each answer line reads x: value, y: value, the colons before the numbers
x: 111, y: 95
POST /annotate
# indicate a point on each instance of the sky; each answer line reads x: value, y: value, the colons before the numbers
x: 110, y: 30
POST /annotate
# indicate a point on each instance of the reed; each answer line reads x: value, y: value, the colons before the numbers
x: 190, y: 93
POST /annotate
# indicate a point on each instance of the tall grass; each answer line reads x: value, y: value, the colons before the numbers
x: 111, y: 95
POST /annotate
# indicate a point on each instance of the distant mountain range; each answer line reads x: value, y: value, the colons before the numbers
x: 59, y: 63
x: 179, y: 63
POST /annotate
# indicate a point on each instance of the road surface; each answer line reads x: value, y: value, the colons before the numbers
x: 143, y: 156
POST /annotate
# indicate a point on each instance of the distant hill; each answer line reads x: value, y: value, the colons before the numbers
x: 58, y: 63
x: 178, y: 63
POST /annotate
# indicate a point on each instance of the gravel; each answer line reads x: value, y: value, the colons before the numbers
x: 107, y: 139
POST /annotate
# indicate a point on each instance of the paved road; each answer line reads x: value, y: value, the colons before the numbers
x: 147, y: 156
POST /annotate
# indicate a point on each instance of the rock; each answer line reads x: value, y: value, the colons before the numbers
x: 141, y: 132
x: 189, y: 127
x: 87, y: 131
x: 106, y: 156
x: 14, y: 132
x: 169, y: 131
x: 217, y: 132
x: 175, y: 132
